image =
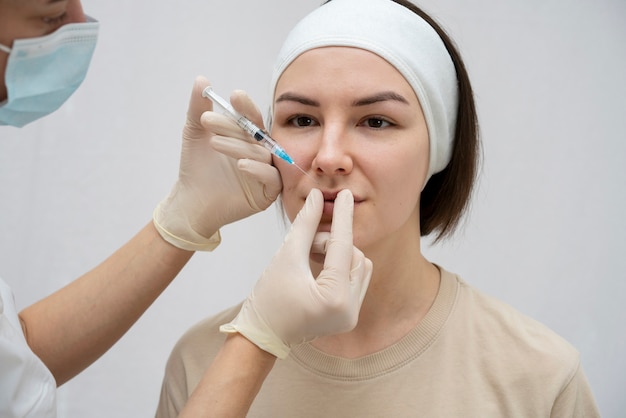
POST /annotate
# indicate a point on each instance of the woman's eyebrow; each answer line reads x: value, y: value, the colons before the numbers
x: 380, y: 97
x: 292, y: 97
x: 365, y: 101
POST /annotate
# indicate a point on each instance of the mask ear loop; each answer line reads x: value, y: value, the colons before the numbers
x: 5, y: 49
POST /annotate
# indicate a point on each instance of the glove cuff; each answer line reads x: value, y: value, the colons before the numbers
x: 267, y: 342
x: 192, y: 242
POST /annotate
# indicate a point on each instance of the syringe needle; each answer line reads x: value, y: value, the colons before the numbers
x: 305, y: 173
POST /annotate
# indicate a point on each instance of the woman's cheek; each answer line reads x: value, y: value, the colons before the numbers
x: 289, y: 198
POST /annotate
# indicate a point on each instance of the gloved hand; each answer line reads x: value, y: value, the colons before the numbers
x: 224, y: 175
x: 288, y: 306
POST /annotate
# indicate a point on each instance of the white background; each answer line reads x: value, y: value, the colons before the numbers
x: 546, y: 231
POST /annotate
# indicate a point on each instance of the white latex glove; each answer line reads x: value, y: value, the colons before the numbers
x: 288, y: 306
x: 224, y: 175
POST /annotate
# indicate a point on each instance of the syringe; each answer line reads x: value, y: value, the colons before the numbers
x: 254, y: 131
x: 247, y: 125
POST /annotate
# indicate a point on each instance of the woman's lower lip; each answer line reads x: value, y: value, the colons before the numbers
x: 328, y: 208
x: 327, y: 215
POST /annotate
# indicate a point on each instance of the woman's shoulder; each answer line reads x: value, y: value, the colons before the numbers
x: 501, y: 328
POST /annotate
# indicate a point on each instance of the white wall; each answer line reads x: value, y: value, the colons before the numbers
x: 546, y: 229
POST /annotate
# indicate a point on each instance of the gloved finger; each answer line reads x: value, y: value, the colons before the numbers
x: 237, y: 149
x: 243, y: 104
x: 320, y: 242
x: 339, y: 247
x: 198, y: 104
x: 223, y: 125
x: 263, y: 173
x: 304, y: 227
x: 360, y: 274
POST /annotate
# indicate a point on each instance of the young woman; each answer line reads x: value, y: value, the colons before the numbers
x: 373, y: 97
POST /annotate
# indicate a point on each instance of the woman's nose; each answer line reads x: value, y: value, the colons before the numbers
x: 333, y: 156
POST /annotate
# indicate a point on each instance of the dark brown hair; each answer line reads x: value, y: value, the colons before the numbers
x: 446, y: 197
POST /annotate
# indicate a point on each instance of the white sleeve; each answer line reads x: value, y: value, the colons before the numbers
x: 27, y: 388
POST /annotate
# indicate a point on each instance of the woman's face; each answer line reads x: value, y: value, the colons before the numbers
x: 352, y: 121
x: 21, y: 19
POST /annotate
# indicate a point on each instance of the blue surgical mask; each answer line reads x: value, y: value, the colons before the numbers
x: 43, y: 72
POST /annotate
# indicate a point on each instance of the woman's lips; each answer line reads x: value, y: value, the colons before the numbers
x: 329, y: 205
x: 327, y: 213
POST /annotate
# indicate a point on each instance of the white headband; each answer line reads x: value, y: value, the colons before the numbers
x: 401, y: 37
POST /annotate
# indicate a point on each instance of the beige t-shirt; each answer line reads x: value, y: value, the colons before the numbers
x: 470, y: 356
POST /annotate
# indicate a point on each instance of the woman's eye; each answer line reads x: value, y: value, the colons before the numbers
x: 302, y: 121
x: 377, y: 123
x: 54, y: 20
